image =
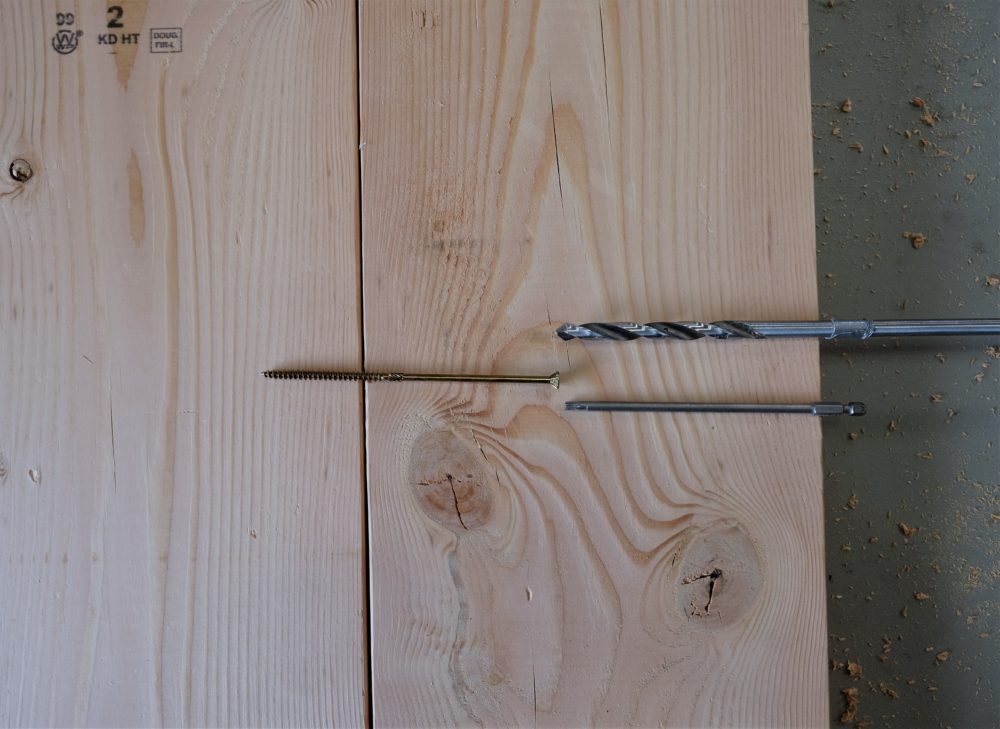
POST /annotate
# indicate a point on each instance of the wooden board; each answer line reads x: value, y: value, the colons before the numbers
x: 526, y: 164
x: 181, y: 542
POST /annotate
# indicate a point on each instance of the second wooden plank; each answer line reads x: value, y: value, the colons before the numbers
x: 529, y: 164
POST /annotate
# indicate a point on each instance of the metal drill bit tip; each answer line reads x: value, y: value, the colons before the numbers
x: 552, y: 379
x: 816, y: 408
x: 831, y: 329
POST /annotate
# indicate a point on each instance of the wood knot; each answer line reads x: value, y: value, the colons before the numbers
x: 718, y: 577
x: 710, y: 582
x: 451, y: 481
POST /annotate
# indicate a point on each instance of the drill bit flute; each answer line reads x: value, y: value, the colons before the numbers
x: 831, y: 329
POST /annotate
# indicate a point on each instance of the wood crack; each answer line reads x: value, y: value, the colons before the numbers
x: 454, y: 496
x: 712, y: 578
x: 604, y: 55
x: 534, y: 695
x: 555, y: 139
x: 111, y: 414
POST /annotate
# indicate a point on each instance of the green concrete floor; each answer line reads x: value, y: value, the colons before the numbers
x: 927, y: 455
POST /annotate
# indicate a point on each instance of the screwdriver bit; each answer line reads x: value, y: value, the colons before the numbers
x: 815, y: 408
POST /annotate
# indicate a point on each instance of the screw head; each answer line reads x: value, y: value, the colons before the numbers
x: 20, y: 170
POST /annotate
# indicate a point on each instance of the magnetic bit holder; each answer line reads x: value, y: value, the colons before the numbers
x: 828, y: 329
x: 823, y: 409
x: 552, y: 379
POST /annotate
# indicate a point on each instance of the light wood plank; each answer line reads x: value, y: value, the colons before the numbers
x: 188, y: 549
x: 526, y: 164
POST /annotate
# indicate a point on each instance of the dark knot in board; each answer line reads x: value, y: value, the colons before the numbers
x: 452, y: 481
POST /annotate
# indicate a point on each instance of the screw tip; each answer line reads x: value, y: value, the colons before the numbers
x: 554, y: 380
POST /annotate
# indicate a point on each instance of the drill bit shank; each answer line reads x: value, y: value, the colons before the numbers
x: 831, y: 329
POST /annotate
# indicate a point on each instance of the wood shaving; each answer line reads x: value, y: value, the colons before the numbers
x: 929, y: 119
x: 851, y: 709
x: 921, y: 596
x: 917, y: 240
x: 942, y: 656
x: 846, y: 106
x: 936, y: 397
x: 907, y: 530
x: 888, y: 691
x: 993, y: 281
x: 856, y: 146
x: 970, y: 178
x: 852, y: 503
x: 854, y: 670
x: 918, y: 102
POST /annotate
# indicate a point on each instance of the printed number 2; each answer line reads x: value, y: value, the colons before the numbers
x: 64, y: 18
x: 115, y: 13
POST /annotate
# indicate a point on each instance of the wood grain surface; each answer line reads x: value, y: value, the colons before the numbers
x: 525, y: 164
x: 181, y: 542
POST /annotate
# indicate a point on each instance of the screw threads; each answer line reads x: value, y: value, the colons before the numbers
x: 343, y: 376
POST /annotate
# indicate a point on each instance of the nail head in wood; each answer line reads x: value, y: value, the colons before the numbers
x: 20, y: 170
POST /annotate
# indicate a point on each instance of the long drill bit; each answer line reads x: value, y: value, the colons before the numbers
x: 831, y: 329
x: 815, y: 408
x: 552, y: 379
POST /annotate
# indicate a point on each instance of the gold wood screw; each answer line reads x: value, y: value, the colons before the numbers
x: 552, y: 379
